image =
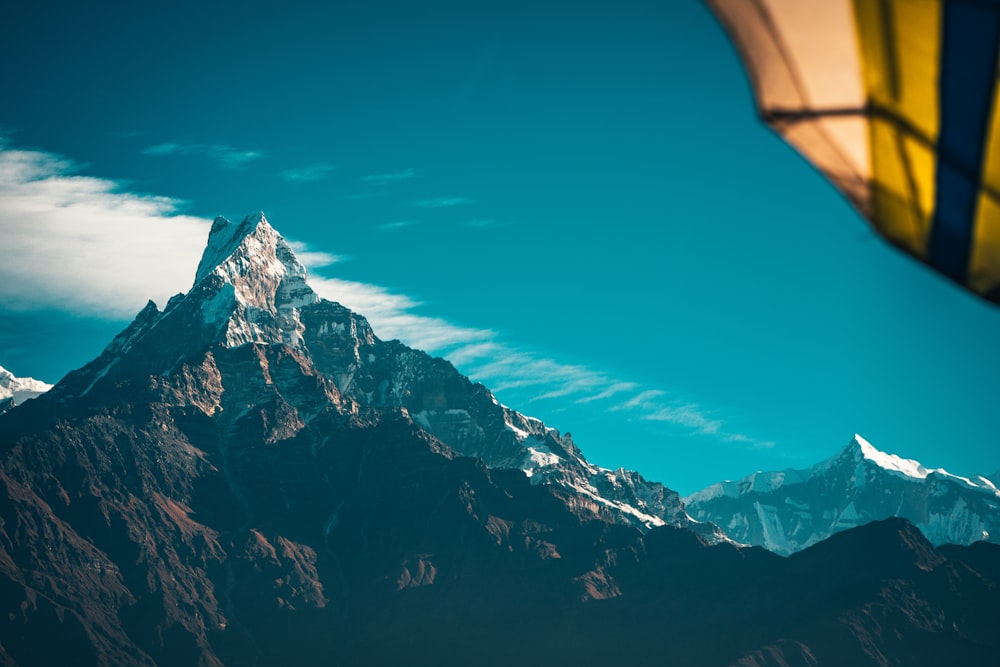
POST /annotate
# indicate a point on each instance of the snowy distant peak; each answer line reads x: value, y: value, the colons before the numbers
x: 20, y: 389
x: 890, y: 462
x: 790, y: 510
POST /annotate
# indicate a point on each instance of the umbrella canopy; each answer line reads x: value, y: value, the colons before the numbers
x: 895, y: 102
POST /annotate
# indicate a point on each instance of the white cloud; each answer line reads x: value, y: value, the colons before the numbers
x: 80, y: 244
x: 224, y: 156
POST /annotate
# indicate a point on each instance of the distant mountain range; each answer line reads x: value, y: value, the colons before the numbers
x: 790, y: 510
x: 252, y: 477
x: 15, y: 390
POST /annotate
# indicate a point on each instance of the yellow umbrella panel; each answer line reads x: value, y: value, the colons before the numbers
x: 895, y: 102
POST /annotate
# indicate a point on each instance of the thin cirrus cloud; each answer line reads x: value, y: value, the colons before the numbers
x: 311, y: 174
x: 314, y: 258
x: 443, y: 202
x: 389, y: 178
x: 398, y: 224
x: 224, y: 156
x: 83, y: 245
x: 654, y: 405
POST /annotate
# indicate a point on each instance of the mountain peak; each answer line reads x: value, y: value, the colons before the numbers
x: 789, y: 510
x: 250, y: 280
x: 225, y: 238
x: 908, y: 467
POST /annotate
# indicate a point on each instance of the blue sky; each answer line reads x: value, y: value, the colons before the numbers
x: 573, y: 201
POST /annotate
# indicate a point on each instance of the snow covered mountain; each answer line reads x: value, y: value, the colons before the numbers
x: 250, y: 289
x: 251, y: 477
x: 790, y: 510
x: 15, y: 390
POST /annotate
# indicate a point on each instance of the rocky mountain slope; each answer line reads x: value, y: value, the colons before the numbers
x: 251, y: 477
x: 789, y: 510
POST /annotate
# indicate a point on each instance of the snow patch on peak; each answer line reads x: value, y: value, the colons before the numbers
x: 522, y: 426
x: 986, y: 483
x: 538, y: 455
x: 519, y: 433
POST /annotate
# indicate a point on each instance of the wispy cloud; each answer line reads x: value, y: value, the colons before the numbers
x: 80, y: 244
x: 443, y: 202
x: 610, y: 391
x: 314, y: 259
x: 509, y: 368
x: 645, y: 400
x: 224, y: 156
x: 83, y: 245
x: 686, y: 415
x: 310, y: 174
x: 656, y: 405
x: 390, y: 178
x: 392, y: 315
x: 398, y: 224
